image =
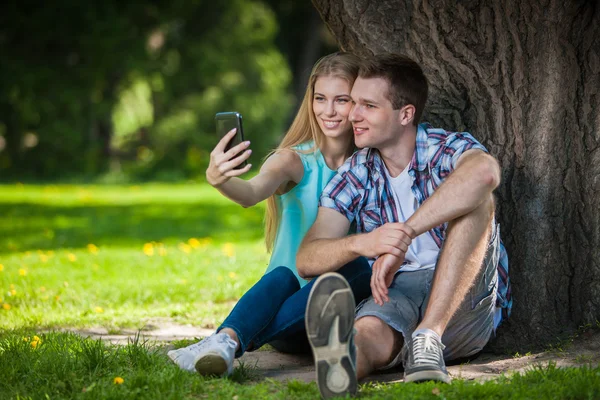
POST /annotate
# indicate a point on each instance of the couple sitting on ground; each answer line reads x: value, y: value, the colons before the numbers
x: 400, y: 233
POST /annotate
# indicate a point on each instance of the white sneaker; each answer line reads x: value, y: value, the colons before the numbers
x: 329, y: 327
x: 211, y: 356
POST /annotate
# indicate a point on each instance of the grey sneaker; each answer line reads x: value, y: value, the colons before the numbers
x: 424, y: 358
x: 329, y: 326
x: 211, y: 356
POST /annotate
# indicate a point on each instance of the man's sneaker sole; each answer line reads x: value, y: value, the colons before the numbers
x: 428, y: 375
x: 211, y: 364
x: 329, y: 325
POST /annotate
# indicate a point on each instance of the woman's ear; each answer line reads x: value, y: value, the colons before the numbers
x: 407, y: 114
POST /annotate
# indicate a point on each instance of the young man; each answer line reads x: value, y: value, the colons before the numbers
x: 421, y: 200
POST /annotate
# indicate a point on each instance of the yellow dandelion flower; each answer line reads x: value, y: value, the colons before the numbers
x: 6, y: 306
x: 50, y: 253
x: 22, y: 272
x: 185, y: 248
x: 195, y: 243
x: 232, y: 275
x: 42, y: 289
x: 99, y: 310
x: 72, y: 257
x: 26, y: 339
x: 13, y: 292
x: 183, y: 281
x: 118, y: 380
x: 92, y: 248
x: 56, y: 298
x: 220, y: 278
x: 148, y: 249
x: 43, y: 258
x: 35, y: 341
x: 66, y: 284
x: 228, y: 249
x: 1, y: 267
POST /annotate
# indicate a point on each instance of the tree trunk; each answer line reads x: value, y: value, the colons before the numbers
x: 524, y: 78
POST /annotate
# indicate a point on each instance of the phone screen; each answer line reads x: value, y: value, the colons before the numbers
x: 226, y: 121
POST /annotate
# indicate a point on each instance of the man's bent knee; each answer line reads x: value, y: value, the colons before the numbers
x: 370, y: 324
x: 379, y: 342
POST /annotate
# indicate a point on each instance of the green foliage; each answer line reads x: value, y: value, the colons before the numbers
x: 133, y: 88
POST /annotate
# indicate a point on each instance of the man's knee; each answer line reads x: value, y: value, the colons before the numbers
x: 369, y: 324
x: 484, y: 213
x: 490, y: 204
x: 377, y: 340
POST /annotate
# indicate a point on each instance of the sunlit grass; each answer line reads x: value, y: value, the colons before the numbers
x: 66, y: 366
x: 122, y: 256
x: 119, y: 256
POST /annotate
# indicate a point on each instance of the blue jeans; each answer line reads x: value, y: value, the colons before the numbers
x: 272, y: 311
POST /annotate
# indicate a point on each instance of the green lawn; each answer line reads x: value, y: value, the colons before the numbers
x: 120, y: 256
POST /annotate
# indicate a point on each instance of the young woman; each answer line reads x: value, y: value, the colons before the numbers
x: 292, y: 179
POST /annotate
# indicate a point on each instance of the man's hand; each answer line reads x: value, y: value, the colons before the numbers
x: 391, y: 238
x: 384, y: 269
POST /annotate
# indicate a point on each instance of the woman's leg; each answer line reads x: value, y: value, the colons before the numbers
x: 257, y: 307
x: 292, y: 344
x: 288, y: 323
x: 214, y: 355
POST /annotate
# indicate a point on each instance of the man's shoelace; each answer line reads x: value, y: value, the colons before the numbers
x: 427, y: 350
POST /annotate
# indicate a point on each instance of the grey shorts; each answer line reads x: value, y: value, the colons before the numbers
x: 471, y: 326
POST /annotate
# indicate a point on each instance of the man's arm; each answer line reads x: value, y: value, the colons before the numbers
x: 326, y: 247
x: 475, y: 177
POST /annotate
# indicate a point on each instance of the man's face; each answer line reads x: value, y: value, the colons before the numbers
x: 375, y: 122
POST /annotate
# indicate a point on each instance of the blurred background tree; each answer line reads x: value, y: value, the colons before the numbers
x: 128, y: 91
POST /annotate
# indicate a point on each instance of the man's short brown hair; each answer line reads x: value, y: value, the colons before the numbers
x: 407, y: 83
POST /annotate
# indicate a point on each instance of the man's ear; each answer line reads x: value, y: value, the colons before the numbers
x: 407, y: 115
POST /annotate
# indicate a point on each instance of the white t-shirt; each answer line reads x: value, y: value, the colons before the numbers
x: 423, y: 251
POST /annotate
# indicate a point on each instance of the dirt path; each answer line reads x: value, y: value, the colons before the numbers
x: 583, y: 350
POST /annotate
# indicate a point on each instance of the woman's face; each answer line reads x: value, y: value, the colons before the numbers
x: 332, y: 104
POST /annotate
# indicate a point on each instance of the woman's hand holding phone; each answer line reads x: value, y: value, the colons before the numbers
x: 222, y: 163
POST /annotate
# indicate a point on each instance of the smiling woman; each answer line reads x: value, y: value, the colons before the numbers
x: 292, y: 179
x: 331, y: 105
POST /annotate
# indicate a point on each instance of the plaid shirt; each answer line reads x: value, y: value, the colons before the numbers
x: 361, y: 192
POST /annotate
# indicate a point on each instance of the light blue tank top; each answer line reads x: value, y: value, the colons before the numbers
x: 298, y: 209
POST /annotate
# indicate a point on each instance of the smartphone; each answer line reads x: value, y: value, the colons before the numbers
x: 226, y: 121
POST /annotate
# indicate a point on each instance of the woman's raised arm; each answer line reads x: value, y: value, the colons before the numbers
x: 278, y: 171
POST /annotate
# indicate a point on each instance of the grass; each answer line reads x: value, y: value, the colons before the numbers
x: 120, y: 256
x: 124, y: 256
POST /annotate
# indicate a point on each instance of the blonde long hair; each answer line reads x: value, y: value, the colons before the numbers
x: 305, y: 127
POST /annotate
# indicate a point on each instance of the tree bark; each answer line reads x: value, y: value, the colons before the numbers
x: 524, y: 78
